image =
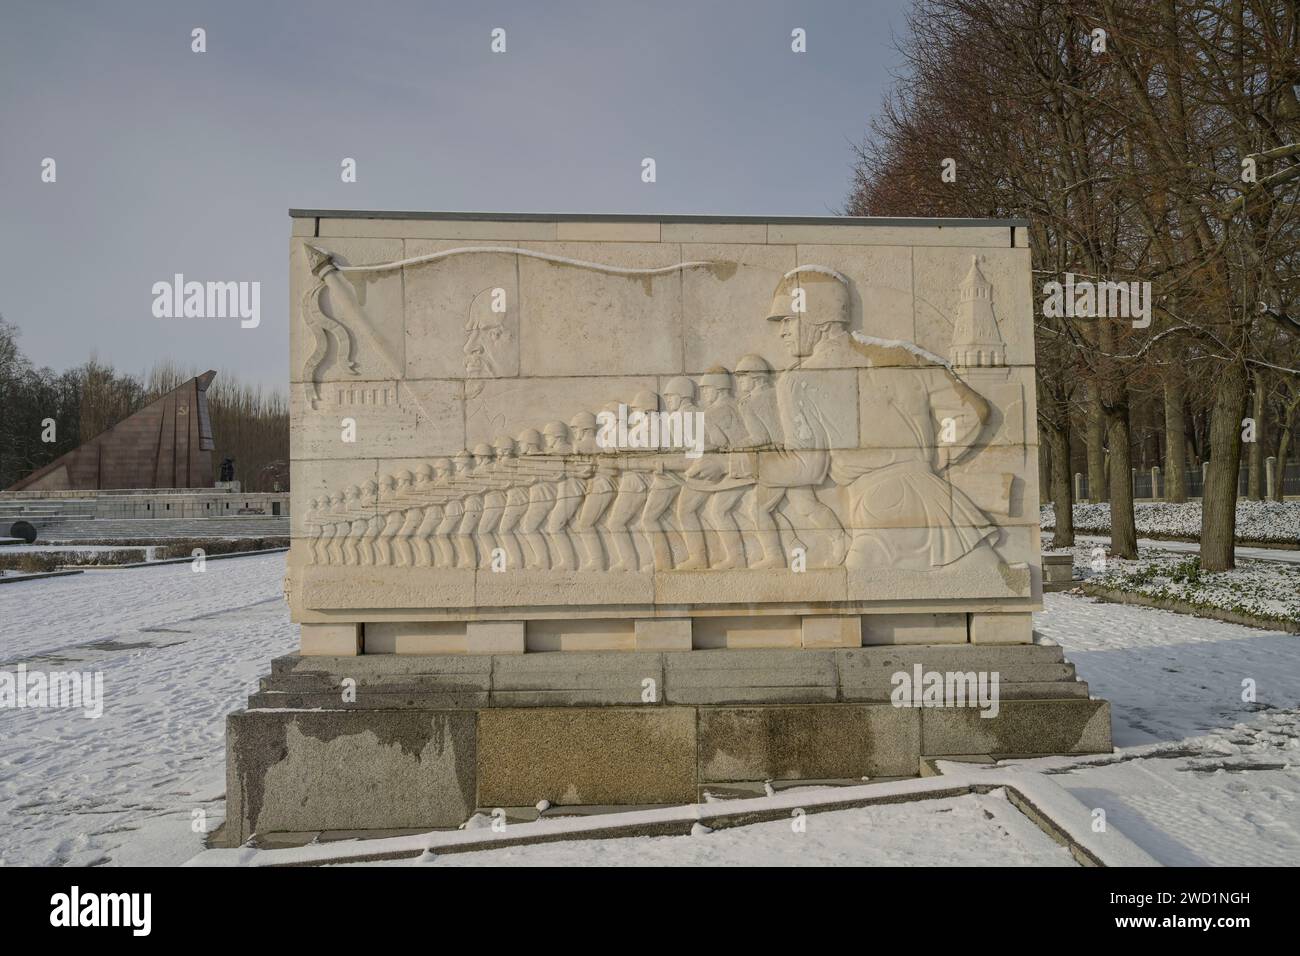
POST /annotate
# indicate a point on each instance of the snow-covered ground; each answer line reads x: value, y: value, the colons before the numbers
x: 1243, y: 552
x: 178, y: 650
x: 1201, y: 775
x: 975, y: 830
x: 1256, y: 520
x: 1265, y: 583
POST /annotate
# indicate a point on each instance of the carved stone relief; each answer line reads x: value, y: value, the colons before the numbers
x: 842, y: 459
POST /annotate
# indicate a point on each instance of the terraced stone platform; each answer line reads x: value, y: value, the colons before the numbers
x: 447, y: 734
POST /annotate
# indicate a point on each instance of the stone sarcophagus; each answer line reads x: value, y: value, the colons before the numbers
x: 708, y: 464
x: 528, y: 433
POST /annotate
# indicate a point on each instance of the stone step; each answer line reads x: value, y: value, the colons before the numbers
x: 294, y: 691
x: 366, y: 701
x: 412, y: 684
x: 849, y: 660
x: 747, y: 674
x: 395, y: 699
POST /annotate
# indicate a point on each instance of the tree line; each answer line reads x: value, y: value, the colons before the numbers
x: 249, y: 423
x: 1145, y: 141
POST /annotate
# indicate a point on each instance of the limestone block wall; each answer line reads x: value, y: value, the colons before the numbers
x: 550, y: 432
x: 195, y: 504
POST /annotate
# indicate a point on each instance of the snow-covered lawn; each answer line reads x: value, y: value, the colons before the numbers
x: 1201, y: 775
x: 1272, y: 521
x: 178, y: 650
x: 1267, y: 588
x: 975, y: 830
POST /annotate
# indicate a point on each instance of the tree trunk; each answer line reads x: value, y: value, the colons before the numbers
x: 1219, y: 501
x: 1255, y: 490
x: 1096, y: 440
x: 1279, y: 475
x: 1123, y: 529
x: 1062, y: 490
x: 1175, y: 442
x: 1284, y: 447
x: 1048, y: 462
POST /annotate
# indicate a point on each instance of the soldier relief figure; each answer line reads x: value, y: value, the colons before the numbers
x: 789, y: 466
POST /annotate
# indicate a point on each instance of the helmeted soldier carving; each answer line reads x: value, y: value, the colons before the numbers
x: 665, y: 485
x: 600, y: 491
x: 758, y: 409
x: 630, y: 501
x: 724, y: 428
x: 860, y: 482
x: 790, y: 474
x: 902, y: 513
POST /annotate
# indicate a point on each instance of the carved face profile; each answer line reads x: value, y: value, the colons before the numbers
x: 747, y: 382
x: 798, y: 336
x: 807, y: 300
x: 489, y: 337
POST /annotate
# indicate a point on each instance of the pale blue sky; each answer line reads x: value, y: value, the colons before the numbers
x: 171, y: 161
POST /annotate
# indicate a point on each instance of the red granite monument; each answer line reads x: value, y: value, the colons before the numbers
x: 166, y: 444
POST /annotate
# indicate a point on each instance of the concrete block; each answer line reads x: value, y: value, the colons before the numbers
x: 607, y: 231
x: 755, y: 676
x: 577, y: 679
x: 719, y: 232
x: 415, y: 637
x: 336, y: 640
x: 609, y: 634
x: 991, y: 236
x: 385, y: 667
x: 494, y: 637
x: 807, y: 742
x: 772, y: 586
x: 712, y: 298
x: 646, y: 311
x: 615, y: 755
x: 913, y: 629
x: 1058, y: 568
x: 360, y: 770
x: 712, y: 633
x: 1017, y: 628
x: 500, y: 231
x: 830, y: 630
x: 663, y: 634
x: 866, y: 673
x: 1021, y: 727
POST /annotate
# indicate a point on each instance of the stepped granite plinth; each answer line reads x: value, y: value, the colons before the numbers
x: 412, y: 741
x: 608, y: 510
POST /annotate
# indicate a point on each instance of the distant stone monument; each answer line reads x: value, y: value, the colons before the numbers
x: 166, y: 444
x: 609, y: 510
